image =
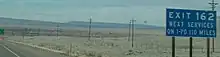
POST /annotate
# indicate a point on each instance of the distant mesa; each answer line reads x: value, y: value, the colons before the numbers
x: 72, y: 24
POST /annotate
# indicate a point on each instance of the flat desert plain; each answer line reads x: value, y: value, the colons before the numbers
x: 147, y: 43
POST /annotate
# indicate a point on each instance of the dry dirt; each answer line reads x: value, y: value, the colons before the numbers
x: 147, y: 43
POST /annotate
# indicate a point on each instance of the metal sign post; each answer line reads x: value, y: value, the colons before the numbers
x: 173, y: 47
x: 24, y: 33
x: 190, y: 46
x: 57, y: 31
x: 38, y: 32
x: 208, y: 47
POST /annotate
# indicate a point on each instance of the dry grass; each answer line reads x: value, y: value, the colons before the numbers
x: 147, y: 43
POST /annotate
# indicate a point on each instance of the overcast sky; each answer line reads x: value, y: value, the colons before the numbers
x: 118, y: 11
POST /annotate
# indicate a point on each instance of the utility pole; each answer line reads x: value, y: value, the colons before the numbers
x: 213, y: 6
x: 129, y: 30
x: 132, y: 34
x: 90, y: 23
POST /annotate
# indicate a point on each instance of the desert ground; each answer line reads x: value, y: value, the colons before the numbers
x: 108, y: 42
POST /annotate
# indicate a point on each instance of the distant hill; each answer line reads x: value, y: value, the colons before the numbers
x: 109, y: 25
x: 36, y: 23
x: 11, y: 21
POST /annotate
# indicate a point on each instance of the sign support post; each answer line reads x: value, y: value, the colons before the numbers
x: 173, y: 46
x: 208, y: 47
x: 190, y: 46
x: 57, y: 30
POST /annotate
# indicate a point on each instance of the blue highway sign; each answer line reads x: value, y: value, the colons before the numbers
x: 190, y: 23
